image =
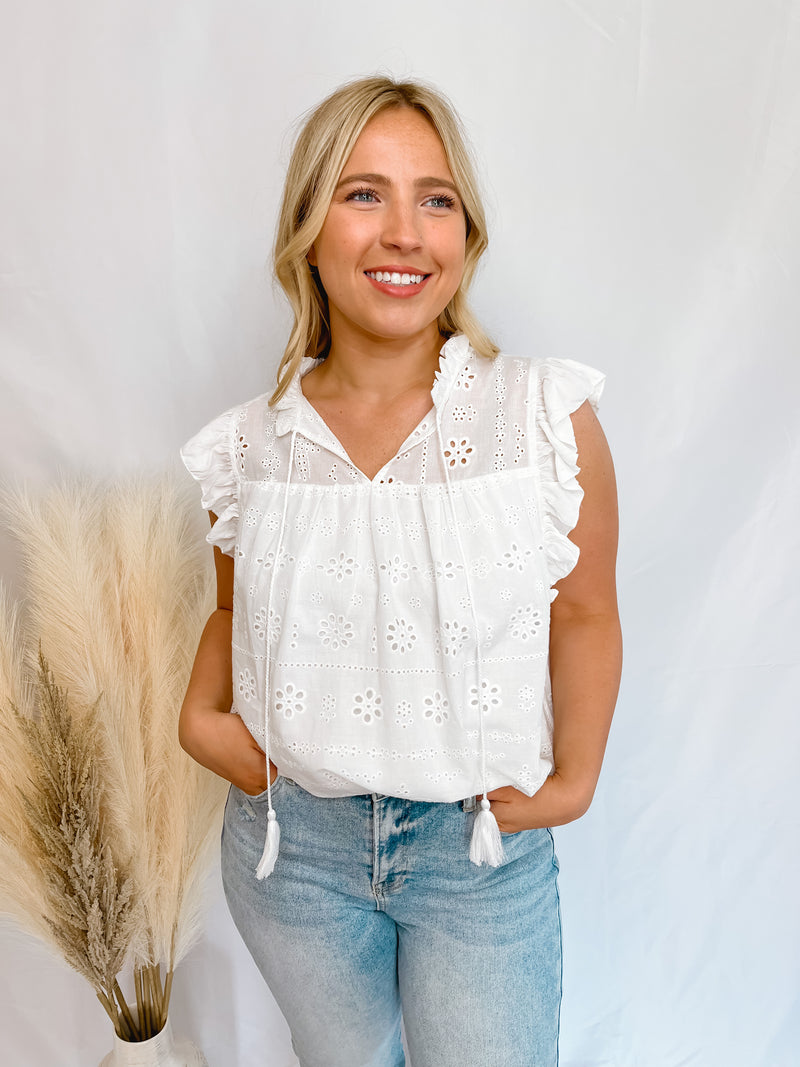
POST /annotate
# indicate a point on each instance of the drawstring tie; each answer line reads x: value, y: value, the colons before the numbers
x: 486, y: 844
x: 273, y: 838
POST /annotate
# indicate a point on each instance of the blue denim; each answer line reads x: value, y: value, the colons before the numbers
x: 374, y: 911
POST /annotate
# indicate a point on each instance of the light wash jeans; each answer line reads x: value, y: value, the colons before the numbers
x: 374, y: 909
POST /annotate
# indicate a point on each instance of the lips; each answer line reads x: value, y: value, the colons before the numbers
x: 395, y: 277
x: 397, y: 280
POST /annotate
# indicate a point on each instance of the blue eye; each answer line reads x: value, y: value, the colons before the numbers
x: 441, y: 200
x: 362, y: 196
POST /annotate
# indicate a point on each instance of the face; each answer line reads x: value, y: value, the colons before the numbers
x: 390, y: 254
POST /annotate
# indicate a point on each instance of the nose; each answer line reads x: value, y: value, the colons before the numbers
x: 400, y: 229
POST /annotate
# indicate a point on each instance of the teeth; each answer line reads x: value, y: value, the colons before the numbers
x: 395, y: 277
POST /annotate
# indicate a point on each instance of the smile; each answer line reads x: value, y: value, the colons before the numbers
x: 395, y: 278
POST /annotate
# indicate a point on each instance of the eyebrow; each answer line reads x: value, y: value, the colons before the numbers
x: 381, y: 179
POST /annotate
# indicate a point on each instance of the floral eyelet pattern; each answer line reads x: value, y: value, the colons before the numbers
x: 357, y: 603
x: 341, y: 567
x: 335, y: 632
x: 525, y: 623
x: 396, y: 569
x: 436, y: 708
x: 261, y: 626
x: 458, y: 452
x: 290, y: 701
x: 490, y: 698
x: 400, y: 636
x: 452, y: 637
x: 368, y: 706
x: 247, y: 685
x: 515, y: 558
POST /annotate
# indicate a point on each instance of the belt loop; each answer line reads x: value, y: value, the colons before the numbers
x: 469, y: 804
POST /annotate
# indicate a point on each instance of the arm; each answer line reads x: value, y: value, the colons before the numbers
x: 585, y: 650
x: 207, y: 730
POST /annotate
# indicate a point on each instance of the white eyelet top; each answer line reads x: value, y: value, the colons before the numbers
x: 393, y: 633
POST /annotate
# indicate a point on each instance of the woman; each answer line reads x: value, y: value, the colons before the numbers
x: 397, y: 512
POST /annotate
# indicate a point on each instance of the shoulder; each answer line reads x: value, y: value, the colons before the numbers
x: 224, y: 426
x: 220, y: 442
x: 564, y: 384
x: 257, y: 408
x: 564, y: 376
x: 503, y: 365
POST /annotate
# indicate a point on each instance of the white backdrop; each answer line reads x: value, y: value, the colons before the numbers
x: 642, y: 173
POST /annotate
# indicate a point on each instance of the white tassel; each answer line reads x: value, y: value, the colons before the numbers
x: 271, y: 844
x: 486, y: 845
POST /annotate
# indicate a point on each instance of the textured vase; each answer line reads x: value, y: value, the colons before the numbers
x: 159, y: 1051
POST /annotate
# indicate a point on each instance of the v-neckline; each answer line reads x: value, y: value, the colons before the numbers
x: 419, y: 433
x: 294, y: 412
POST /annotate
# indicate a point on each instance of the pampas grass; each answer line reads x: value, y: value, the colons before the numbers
x: 112, y: 827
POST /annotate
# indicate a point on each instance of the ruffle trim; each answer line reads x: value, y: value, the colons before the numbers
x: 209, y: 458
x: 292, y: 408
x: 453, y: 356
x: 564, y: 385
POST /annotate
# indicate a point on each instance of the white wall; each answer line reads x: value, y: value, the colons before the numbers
x: 642, y: 174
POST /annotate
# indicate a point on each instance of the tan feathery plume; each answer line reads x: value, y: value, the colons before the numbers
x: 71, y: 608
x: 22, y: 893
x: 76, y: 897
x: 92, y: 912
x: 119, y: 587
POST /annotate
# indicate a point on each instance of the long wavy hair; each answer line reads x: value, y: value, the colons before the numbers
x: 323, y: 146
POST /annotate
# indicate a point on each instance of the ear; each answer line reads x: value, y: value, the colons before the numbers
x: 311, y: 256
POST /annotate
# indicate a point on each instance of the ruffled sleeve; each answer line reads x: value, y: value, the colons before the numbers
x: 209, y: 458
x: 563, y: 385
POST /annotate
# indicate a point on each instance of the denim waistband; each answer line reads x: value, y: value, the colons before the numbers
x: 467, y: 804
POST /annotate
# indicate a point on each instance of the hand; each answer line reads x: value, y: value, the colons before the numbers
x: 221, y: 741
x: 557, y: 802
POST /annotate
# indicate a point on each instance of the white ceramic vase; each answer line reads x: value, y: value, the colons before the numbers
x: 159, y: 1051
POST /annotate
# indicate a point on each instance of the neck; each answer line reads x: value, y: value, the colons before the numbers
x: 376, y: 372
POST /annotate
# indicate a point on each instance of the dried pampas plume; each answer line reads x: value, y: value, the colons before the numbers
x: 112, y: 826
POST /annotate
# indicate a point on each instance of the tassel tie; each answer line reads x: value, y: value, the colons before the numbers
x: 271, y: 845
x: 273, y: 839
x: 486, y: 844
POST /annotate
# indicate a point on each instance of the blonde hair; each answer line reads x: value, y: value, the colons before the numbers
x: 323, y: 146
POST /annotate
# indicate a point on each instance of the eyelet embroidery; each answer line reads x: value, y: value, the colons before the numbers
x: 490, y: 697
x: 452, y: 636
x: 290, y: 701
x: 367, y: 706
x: 515, y: 558
x: 458, y: 452
x: 335, y: 632
x: 525, y: 623
x: 247, y: 685
x: 270, y: 462
x: 396, y: 569
x: 242, y: 445
x: 436, y: 708
x: 400, y: 636
x: 260, y: 625
x: 527, y: 698
x: 340, y: 567
x: 376, y: 585
x: 404, y: 714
